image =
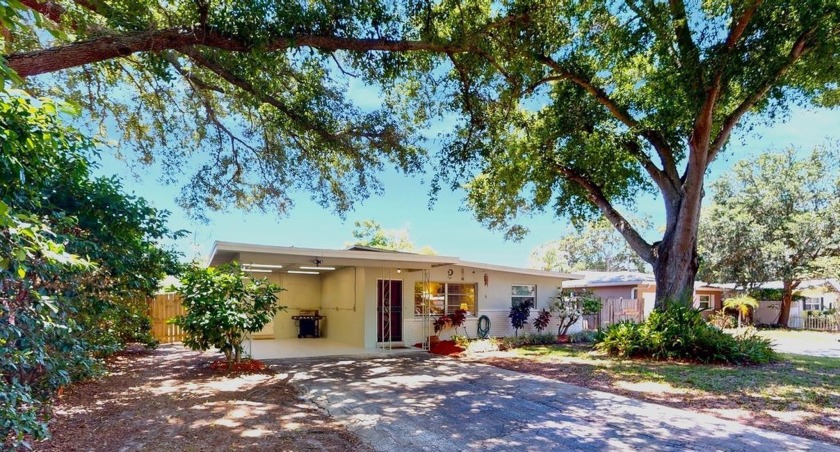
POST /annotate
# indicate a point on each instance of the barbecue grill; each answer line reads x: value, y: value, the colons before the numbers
x: 308, y: 323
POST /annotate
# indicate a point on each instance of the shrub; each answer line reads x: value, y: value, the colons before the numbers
x: 507, y: 343
x: 721, y: 319
x: 454, y: 320
x: 519, y: 315
x: 586, y: 336
x: 680, y: 333
x: 223, y: 305
x: 542, y: 320
x: 570, y: 309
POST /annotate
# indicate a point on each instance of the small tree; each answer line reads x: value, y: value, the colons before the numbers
x: 743, y: 304
x: 519, y: 314
x: 223, y: 305
x: 569, y: 310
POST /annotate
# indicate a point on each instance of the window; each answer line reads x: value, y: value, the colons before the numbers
x: 521, y: 293
x: 704, y: 302
x: 445, y: 298
x: 812, y: 304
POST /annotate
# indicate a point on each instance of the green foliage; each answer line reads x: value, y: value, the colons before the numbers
x: 370, y: 233
x: 223, y: 306
x: 742, y: 304
x: 680, y: 333
x: 568, y: 309
x: 454, y: 320
x: 596, y: 245
x: 509, y: 343
x: 721, y: 319
x: 40, y: 345
x: 519, y: 314
x: 775, y: 217
x: 585, y: 336
x: 61, y: 312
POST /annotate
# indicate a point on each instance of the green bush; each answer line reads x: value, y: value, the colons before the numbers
x: 680, y: 333
x: 223, y: 306
x: 586, y: 336
x: 507, y: 343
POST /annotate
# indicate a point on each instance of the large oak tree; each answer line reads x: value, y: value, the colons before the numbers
x: 572, y: 106
x: 775, y: 217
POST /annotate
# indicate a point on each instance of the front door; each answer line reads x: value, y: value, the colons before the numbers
x: 389, y: 303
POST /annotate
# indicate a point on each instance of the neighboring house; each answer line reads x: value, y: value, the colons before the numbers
x: 353, y: 289
x: 810, y: 295
x: 639, y: 286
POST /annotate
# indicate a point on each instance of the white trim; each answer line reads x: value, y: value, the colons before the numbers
x: 711, y: 302
x: 378, y: 259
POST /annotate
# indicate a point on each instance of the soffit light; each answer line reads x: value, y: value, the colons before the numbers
x: 265, y: 265
x: 303, y: 273
x: 317, y: 268
x: 255, y: 270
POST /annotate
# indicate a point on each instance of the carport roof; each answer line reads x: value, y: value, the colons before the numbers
x: 293, y: 257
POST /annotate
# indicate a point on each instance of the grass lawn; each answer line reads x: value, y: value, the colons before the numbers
x: 800, y: 396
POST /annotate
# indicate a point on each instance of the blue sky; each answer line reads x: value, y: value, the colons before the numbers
x: 448, y: 228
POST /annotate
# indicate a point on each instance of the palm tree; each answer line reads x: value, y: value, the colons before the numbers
x: 742, y: 304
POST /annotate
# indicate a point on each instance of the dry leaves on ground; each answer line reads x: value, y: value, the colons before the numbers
x: 169, y: 399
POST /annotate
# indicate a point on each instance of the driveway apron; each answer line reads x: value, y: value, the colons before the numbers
x: 426, y: 402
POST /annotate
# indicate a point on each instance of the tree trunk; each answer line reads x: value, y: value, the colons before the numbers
x: 675, y: 268
x: 787, y: 300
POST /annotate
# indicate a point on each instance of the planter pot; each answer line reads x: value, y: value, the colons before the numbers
x: 563, y: 339
x: 433, y: 340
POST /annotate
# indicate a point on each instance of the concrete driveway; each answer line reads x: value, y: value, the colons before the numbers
x: 425, y: 402
x: 813, y: 343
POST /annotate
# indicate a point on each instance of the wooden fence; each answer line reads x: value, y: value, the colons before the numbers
x: 614, y: 310
x: 163, y: 307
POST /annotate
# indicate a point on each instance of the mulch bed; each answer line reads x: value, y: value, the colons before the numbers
x: 446, y: 348
x: 171, y: 399
x: 244, y: 366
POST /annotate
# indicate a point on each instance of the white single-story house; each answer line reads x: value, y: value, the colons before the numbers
x: 640, y: 286
x: 812, y: 295
x: 373, y: 298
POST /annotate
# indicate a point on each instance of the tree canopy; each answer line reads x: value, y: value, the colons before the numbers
x: 567, y: 106
x: 597, y: 245
x: 78, y: 257
x: 370, y: 233
x: 775, y: 217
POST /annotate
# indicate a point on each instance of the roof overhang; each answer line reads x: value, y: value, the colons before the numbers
x: 292, y: 258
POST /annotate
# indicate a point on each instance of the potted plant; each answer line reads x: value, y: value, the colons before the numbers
x: 454, y: 320
x: 568, y: 310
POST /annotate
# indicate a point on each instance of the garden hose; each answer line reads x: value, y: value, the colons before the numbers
x: 483, y: 327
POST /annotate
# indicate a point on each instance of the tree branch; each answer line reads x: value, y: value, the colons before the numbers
x: 799, y: 48
x: 49, y: 9
x: 115, y: 46
x: 597, y: 197
x: 652, y: 137
x: 688, y: 51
